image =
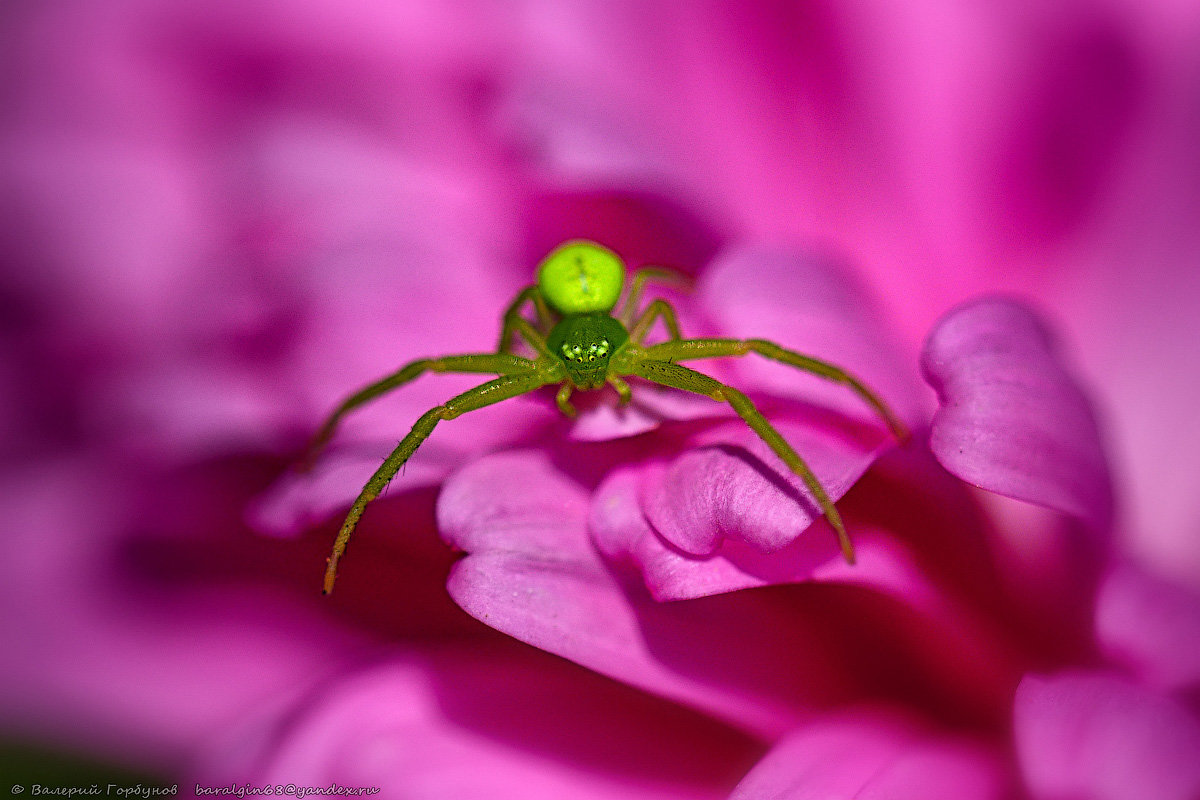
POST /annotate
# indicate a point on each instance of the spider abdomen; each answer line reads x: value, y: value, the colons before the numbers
x: 581, y: 277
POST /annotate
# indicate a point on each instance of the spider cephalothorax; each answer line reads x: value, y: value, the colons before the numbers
x: 581, y: 344
x: 586, y: 343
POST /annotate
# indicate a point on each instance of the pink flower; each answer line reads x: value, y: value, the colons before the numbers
x: 226, y: 216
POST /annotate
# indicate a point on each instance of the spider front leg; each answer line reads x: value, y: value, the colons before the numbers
x: 494, y: 363
x: 658, y: 308
x: 563, y: 399
x: 623, y: 391
x: 681, y: 377
x: 686, y: 349
x: 638, y: 284
x: 530, y: 334
x: 513, y: 313
x: 502, y: 388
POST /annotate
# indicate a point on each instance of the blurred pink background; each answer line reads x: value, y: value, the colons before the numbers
x: 218, y: 218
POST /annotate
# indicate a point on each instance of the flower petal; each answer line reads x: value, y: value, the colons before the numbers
x: 907, y: 508
x: 877, y: 757
x: 732, y: 485
x: 1152, y: 626
x: 622, y: 531
x: 736, y: 487
x: 603, y: 419
x: 899, y: 594
x: 532, y: 572
x: 493, y: 720
x: 1097, y: 736
x: 808, y: 302
x: 1012, y: 419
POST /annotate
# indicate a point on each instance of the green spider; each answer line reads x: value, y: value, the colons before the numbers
x: 581, y: 344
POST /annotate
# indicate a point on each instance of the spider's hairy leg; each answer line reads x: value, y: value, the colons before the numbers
x: 494, y: 391
x: 563, y: 399
x: 658, y: 308
x: 681, y: 377
x: 638, y: 284
x: 511, y: 314
x: 494, y: 363
x: 531, y: 335
x: 686, y: 349
x: 623, y: 390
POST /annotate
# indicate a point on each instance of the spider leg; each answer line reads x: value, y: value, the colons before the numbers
x: 658, y: 308
x: 513, y: 313
x: 623, y: 390
x: 563, y: 399
x: 531, y: 335
x: 638, y: 284
x: 496, y: 363
x: 686, y: 349
x: 681, y: 377
x: 502, y: 388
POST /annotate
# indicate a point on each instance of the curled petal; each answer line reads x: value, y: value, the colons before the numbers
x: 959, y: 649
x: 532, y: 572
x: 622, y: 531
x: 1012, y: 419
x: 908, y: 508
x: 738, y: 488
x: 1097, y: 736
x: 873, y: 757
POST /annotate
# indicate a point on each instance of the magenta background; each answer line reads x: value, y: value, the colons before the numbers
x: 218, y: 217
